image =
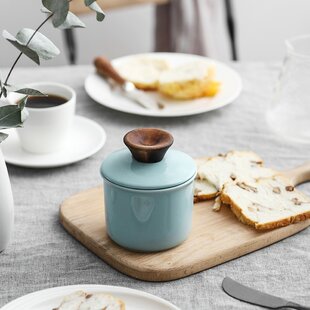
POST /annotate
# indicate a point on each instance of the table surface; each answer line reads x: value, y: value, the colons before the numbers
x: 43, y: 255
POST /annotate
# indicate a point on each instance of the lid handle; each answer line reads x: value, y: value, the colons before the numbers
x: 148, y: 145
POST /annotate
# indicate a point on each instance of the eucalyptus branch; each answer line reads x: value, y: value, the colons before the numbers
x: 20, y: 54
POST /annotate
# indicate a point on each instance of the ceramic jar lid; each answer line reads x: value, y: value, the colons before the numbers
x: 148, y: 164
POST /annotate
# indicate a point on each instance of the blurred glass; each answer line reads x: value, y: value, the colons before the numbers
x: 289, y: 113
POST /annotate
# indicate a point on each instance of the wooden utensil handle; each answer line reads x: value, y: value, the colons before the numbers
x: 106, y: 69
x: 300, y: 174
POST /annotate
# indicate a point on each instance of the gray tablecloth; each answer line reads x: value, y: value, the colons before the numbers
x: 43, y: 255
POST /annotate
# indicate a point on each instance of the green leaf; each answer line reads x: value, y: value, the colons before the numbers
x: 39, y: 46
x: 45, y: 10
x: 3, y: 136
x: 10, y: 116
x: 60, y: 8
x: 21, y: 47
x: 3, y: 90
x: 24, y: 90
x: 89, y: 2
x: 43, y: 46
x: 29, y: 92
x: 22, y: 102
x: 72, y: 21
x: 95, y: 7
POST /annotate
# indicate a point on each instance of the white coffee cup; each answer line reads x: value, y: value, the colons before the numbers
x: 47, y: 129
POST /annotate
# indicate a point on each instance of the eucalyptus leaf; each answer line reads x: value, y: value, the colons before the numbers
x: 22, y: 102
x: 60, y: 8
x: 21, y: 47
x: 45, y: 10
x: 3, y: 136
x: 10, y: 116
x: 95, y: 7
x: 24, y: 90
x: 4, y: 91
x: 29, y: 92
x: 89, y: 2
x: 40, y: 44
x: 72, y: 21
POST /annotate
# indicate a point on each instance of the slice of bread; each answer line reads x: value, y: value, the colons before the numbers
x: 189, y: 81
x: 72, y: 301
x: 144, y: 72
x: 102, y: 301
x: 203, y: 190
x: 266, y: 203
x: 84, y: 301
x: 214, y: 172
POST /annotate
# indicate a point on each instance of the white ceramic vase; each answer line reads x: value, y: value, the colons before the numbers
x: 6, y: 206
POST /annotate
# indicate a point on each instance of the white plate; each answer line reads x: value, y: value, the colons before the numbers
x: 86, y: 138
x: 99, y: 90
x: 51, y: 298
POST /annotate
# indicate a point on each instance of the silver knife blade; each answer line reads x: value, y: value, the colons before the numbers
x: 145, y: 100
x: 141, y: 98
x: 252, y: 296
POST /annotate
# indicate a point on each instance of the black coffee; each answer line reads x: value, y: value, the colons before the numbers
x: 48, y: 101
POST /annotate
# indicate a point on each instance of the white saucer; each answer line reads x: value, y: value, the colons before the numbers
x: 86, y: 138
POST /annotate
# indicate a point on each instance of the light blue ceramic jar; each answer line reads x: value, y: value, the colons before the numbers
x: 148, y: 205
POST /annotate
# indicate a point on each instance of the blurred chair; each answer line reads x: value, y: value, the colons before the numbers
x: 78, y: 8
x: 201, y: 27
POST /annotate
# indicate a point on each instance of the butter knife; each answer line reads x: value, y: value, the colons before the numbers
x: 128, y: 89
x: 252, y: 296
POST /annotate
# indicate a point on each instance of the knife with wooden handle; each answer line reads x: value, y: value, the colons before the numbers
x: 105, y: 69
x: 252, y: 296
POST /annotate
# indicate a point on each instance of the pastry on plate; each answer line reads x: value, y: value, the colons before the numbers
x: 144, y: 72
x: 214, y: 172
x: 189, y: 81
x: 266, y: 203
x: 84, y: 301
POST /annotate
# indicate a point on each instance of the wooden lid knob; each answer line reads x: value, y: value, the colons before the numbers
x: 148, y: 145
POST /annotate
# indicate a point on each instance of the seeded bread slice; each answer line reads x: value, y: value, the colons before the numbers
x: 102, y: 301
x: 266, y: 203
x: 72, y: 301
x: 83, y: 301
x: 214, y: 172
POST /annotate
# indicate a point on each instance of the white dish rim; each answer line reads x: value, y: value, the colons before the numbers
x: 62, y: 291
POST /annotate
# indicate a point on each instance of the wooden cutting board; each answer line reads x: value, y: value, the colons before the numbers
x: 216, y: 237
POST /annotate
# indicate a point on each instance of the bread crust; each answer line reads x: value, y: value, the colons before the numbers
x: 200, y: 198
x: 146, y: 87
x: 267, y: 226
